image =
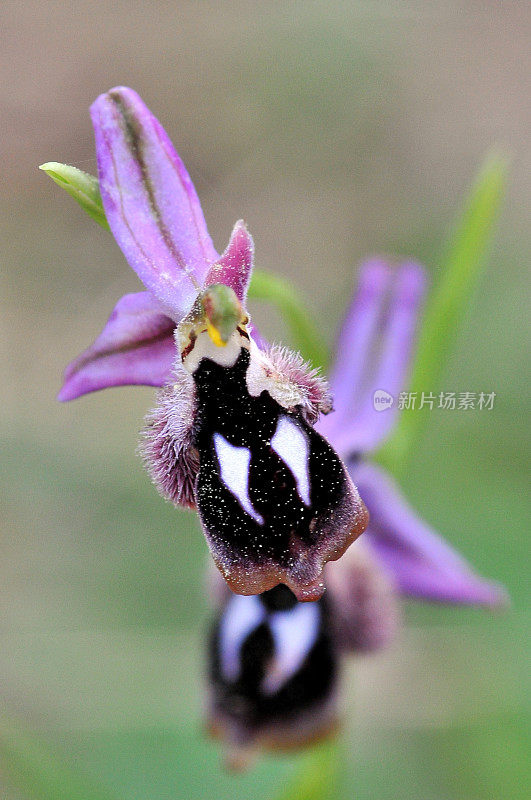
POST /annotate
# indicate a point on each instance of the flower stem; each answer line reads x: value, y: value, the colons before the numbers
x: 459, y: 272
x: 317, y: 776
x: 281, y: 293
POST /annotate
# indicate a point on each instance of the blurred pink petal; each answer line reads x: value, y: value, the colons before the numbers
x: 421, y: 563
x: 375, y: 351
x: 370, y: 425
x: 357, y: 334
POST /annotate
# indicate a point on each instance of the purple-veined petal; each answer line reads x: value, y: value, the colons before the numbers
x: 374, y: 354
x: 420, y: 562
x: 136, y: 346
x: 353, y: 350
x: 234, y: 267
x: 150, y: 202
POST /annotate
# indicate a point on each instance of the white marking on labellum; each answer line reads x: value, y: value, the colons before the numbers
x: 242, y: 615
x: 234, y: 472
x: 204, y: 347
x: 294, y: 634
x: 291, y: 444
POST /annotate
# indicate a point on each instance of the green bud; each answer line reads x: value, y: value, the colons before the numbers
x: 84, y: 188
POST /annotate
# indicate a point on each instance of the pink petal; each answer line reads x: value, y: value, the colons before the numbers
x: 136, y: 346
x: 371, y: 425
x: 235, y: 265
x: 149, y: 200
x: 354, y: 345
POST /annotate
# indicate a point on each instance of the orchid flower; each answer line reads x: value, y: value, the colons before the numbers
x: 243, y: 432
x: 190, y: 323
x: 232, y: 433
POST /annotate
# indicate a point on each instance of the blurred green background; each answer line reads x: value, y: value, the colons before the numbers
x: 337, y: 130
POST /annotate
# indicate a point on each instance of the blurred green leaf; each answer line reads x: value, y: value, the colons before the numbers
x: 33, y: 768
x: 282, y: 294
x: 84, y: 188
x: 459, y: 270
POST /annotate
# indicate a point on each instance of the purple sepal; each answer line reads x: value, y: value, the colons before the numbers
x: 149, y: 200
x: 356, y: 335
x: 234, y: 267
x: 136, y: 346
x: 421, y: 564
x: 374, y: 354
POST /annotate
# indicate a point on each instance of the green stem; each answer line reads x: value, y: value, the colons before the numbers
x: 281, y: 293
x: 317, y: 776
x: 459, y: 272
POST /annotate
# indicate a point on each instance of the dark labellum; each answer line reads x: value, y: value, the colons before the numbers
x: 272, y: 670
x: 274, y: 498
